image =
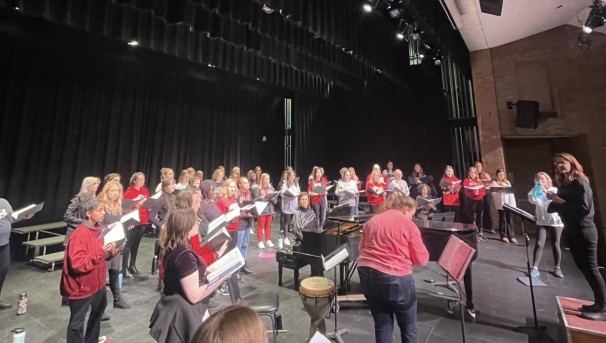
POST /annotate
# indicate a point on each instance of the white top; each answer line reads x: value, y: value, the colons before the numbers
x: 501, y: 198
x: 347, y: 191
x: 543, y: 217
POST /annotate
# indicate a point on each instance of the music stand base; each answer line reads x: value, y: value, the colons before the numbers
x: 447, y: 284
x: 535, y: 334
x: 337, y: 335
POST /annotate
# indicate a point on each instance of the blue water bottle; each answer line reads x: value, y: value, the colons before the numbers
x: 538, y: 192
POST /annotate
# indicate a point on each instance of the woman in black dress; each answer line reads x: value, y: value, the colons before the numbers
x: 574, y: 204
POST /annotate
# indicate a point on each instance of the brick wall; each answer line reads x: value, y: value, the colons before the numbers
x: 551, y: 68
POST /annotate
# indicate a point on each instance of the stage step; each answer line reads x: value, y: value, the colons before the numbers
x: 576, y: 329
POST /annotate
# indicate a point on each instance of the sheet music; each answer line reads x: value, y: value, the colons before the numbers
x: 260, y: 206
x: 475, y: 188
x: 425, y: 202
x: 232, y: 214
x: 335, y: 257
x: 32, y: 209
x: 247, y: 207
x: 225, y: 266
x: 131, y: 218
x: 217, y: 223
x: 115, y: 234
x: 318, y: 337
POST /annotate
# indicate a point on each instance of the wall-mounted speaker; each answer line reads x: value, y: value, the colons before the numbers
x: 528, y: 114
x: 493, y: 7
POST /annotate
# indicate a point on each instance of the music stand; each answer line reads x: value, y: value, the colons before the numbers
x: 330, y: 262
x: 527, y: 217
x: 454, y: 260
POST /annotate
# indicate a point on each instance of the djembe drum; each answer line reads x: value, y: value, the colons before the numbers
x: 317, y: 294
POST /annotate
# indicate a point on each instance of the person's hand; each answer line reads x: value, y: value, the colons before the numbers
x: 554, y: 197
x: 109, y: 246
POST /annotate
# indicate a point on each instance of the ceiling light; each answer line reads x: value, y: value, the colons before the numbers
x: 267, y: 9
x: 367, y: 8
x: 400, y: 35
x: 394, y: 13
x: 133, y: 43
x: 587, y: 29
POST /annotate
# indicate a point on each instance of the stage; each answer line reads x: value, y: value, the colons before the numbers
x: 502, y: 301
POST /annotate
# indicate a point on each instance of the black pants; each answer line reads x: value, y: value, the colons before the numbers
x: 78, y: 308
x: 505, y: 226
x: 487, y: 216
x: 285, y: 219
x: 131, y: 248
x: 456, y: 210
x: 474, y: 210
x: 5, y: 261
x: 584, y: 249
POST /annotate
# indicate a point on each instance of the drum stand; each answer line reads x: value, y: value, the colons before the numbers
x: 330, y: 262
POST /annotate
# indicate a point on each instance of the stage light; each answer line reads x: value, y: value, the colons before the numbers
x: 394, y: 13
x: 133, y: 43
x: 587, y: 29
x: 367, y: 8
x: 267, y: 9
x: 400, y: 35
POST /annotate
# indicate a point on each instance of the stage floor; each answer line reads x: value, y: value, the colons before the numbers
x: 502, y: 301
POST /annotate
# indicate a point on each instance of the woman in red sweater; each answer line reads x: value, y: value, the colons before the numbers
x: 318, y: 200
x: 375, y: 191
x: 451, y: 185
x: 83, y: 275
x: 474, y: 202
x: 138, y: 193
x: 390, y: 246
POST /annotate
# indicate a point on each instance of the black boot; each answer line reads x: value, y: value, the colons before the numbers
x: 597, y: 315
x: 114, y: 285
x: 247, y: 270
x: 590, y: 308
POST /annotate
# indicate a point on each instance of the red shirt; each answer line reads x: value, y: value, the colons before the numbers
x: 84, y: 268
x: 372, y: 198
x: 132, y: 193
x: 451, y: 199
x: 391, y: 243
x: 223, y: 204
x: 477, y: 195
x: 313, y: 183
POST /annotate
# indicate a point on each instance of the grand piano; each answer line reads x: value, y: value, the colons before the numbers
x: 346, y: 230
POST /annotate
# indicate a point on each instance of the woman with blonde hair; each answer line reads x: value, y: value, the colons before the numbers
x: 375, y: 191
x: 184, y: 178
x: 502, y: 197
x: 545, y: 222
x: 111, y: 196
x: 574, y: 204
x: 136, y: 192
x: 165, y: 173
x: 233, y: 324
x: 74, y: 215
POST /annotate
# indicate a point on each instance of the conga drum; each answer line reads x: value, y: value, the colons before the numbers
x: 317, y: 294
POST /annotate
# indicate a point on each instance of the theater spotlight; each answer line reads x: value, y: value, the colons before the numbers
x: 367, y: 8
x: 267, y: 9
x: 592, y: 22
x: 400, y: 36
x: 394, y: 13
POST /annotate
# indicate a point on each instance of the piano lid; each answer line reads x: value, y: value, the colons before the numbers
x: 443, y: 226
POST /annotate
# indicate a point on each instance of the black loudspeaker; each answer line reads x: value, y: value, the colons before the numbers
x: 493, y: 7
x: 528, y: 114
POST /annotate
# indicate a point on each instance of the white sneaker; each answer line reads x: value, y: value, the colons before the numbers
x: 261, y: 245
x: 286, y: 241
x: 270, y: 243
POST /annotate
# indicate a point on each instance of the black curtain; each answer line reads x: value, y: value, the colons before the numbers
x: 74, y: 105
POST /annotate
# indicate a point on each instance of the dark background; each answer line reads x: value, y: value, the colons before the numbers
x: 74, y: 104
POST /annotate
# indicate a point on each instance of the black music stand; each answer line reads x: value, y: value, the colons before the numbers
x: 330, y: 262
x: 527, y: 217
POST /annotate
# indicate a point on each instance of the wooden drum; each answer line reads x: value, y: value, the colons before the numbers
x: 317, y: 294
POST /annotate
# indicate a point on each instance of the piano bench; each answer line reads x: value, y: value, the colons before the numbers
x: 286, y: 259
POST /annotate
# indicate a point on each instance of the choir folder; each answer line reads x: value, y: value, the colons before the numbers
x: 27, y: 211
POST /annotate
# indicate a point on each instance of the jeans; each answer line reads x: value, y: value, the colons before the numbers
x: 78, y: 308
x: 242, y: 244
x: 387, y: 296
x: 5, y: 261
x: 320, y: 211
